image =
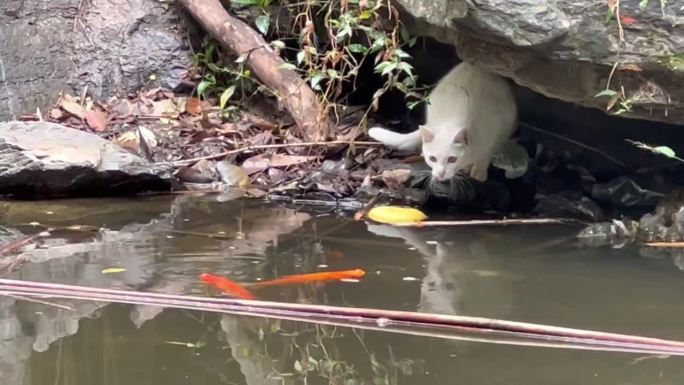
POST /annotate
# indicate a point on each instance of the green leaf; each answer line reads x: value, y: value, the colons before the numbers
x: 300, y: 56
x: 378, y: 43
x: 401, y: 54
x: 227, y: 93
x: 356, y: 48
x: 213, y: 67
x: 243, y: 3
x: 278, y: 44
x: 288, y: 66
x: 113, y: 270
x: 333, y: 74
x: 316, y: 81
x: 406, y: 67
x: 389, y: 68
x: 262, y: 22
x: 202, y: 87
x: 298, y: 366
x: 343, y: 32
x: 607, y: 92
x: 664, y: 150
x: 380, y: 68
x: 365, y: 14
x: 404, y: 33
x: 643, y: 4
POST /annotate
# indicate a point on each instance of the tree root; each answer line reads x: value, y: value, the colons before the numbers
x: 312, y: 120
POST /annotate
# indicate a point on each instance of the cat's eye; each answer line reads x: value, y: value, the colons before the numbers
x: 452, y: 159
x: 432, y: 159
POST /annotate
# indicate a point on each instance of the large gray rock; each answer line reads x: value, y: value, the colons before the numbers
x: 49, y: 160
x: 565, y: 49
x: 110, y: 46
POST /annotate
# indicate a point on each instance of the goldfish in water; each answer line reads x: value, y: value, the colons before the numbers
x: 227, y: 286
x: 310, y: 278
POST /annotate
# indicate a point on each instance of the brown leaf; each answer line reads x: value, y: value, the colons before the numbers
x: 256, y: 164
x: 72, y: 107
x: 165, y: 107
x: 258, y: 122
x: 264, y: 137
x: 193, y: 106
x: 630, y: 67
x: 128, y: 140
x: 56, y: 114
x: 96, y: 120
x: 394, y: 179
x: 262, y: 162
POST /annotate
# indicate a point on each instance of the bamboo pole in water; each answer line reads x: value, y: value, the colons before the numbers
x: 434, y: 325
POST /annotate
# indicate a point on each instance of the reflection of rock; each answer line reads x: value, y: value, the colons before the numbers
x: 45, y: 159
x: 15, y: 347
x: 256, y: 366
x: 153, y: 257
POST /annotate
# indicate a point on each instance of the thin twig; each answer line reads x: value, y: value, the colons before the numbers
x: 670, y: 245
x: 366, y: 208
x: 207, y: 235
x: 573, y: 141
x: 15, y: 245
x: 487, y: 222
x: 36, y: 300
x: 270, y: 146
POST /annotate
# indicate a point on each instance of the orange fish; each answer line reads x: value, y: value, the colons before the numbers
x: 313, y: 277
x: 227, y: 286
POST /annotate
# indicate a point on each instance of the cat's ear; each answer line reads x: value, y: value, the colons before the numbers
x: 461, y: 137
x: 426, y: 134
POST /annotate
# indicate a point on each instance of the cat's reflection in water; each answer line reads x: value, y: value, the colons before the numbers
x: 460, y: 278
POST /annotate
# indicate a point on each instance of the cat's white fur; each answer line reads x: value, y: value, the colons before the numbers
x: 471, y: 113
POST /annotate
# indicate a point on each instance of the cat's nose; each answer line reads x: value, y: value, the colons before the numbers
x: 440, y: 175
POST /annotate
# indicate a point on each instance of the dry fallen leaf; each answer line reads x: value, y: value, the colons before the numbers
x: 193, y: 106
x: 56, y: 114
x: 96, y: 120
x: 264, y: 137
x: 394, y: 179
x: 166, y: 108
x: 630, y: 67
x: 113, y: 270
x: 258, y: 122
x: 72, y: 107
x: 128, y: 140
x: 261, y: 162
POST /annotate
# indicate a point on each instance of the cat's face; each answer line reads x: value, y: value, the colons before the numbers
x: 442, y: 153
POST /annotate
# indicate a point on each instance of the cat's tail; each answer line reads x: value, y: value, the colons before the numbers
x: 410, y: 141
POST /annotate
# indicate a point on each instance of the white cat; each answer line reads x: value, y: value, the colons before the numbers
x: 471, y: 113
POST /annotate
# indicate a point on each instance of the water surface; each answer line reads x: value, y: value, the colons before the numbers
x: 525, y: 273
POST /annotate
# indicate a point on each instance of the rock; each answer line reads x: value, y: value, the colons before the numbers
x: 50, y: 160
x: 110, y: 46
x: 565, y: 49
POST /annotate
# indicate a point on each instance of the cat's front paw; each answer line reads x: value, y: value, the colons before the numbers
x: 479, y: 172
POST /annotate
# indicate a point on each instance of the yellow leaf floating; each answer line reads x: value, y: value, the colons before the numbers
x: 395, y: 214
x: 113, y: 270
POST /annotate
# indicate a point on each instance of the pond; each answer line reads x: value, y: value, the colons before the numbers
x: 537, y: 274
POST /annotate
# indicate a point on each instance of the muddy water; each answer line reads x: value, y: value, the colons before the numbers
x: 535, y: 274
